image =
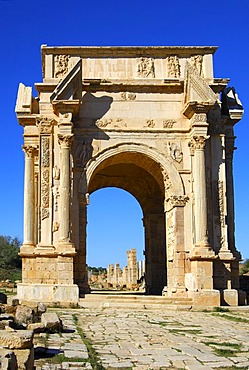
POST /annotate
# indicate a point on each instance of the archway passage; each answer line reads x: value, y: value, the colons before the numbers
x: 140, y: 176
x: 115, y: 241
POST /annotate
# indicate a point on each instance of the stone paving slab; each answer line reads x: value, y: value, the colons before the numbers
x: 153, y: 340
x: 164, y: 339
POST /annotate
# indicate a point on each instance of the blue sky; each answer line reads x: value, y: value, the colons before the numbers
x: 26, y: 25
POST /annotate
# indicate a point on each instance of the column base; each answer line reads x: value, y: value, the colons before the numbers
x: 48, y: 293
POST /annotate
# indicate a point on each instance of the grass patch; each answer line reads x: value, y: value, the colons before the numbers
x: 232, y: 318
x: 224, y: 352
x: 165, y: 323
x: 182, y: 331
x: 60, y: 357
x: 220, y: 309
x: 225, y: 344
x: 93, y: 357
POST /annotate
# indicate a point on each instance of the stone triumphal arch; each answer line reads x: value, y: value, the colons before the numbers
x: 150, y: 120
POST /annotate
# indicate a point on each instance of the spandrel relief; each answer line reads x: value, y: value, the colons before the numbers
x: 146, y: 68
x: 175, y: 151
x: 82, y: 153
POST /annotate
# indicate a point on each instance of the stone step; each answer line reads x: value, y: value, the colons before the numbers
x: 135, y: 301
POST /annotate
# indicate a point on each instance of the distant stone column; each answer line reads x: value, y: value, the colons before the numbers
x: 65, y: 183
x: 200, y: 195
x: 29, y: 196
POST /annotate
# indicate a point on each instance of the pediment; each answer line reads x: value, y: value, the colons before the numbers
x: 70, y: 86
x: 196, y: 89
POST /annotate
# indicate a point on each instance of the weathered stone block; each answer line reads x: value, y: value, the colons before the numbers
x: 206, y: 298
x: 229, y: 297
x: 25, y: 358
x: 51, y: 321
x: 7, y: 360
x: 24, y: 315
x: 21, y: 339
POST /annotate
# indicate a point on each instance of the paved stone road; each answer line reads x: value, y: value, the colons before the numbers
x: 153, y: 340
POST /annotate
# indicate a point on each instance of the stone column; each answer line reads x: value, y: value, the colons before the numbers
x: 29, y: 196
x: 65, y: 185
x: 198, y: 150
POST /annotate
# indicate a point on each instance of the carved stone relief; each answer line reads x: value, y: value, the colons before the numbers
x: 60, y: 65
x: 173, y: 67
x: 45, y: 125
x: 197, y: 61
x: 128, y: 96
x: 167, y: 182
x: 150, y: 123
x: 82, y: 153
x: 168, y: 123
x: 175, y: 151
x: 45, y: 176
x: 221, y: 202
x: 146, y: 68
x: 103, y: 122
x: 197, y: 142
x: 198, y: 117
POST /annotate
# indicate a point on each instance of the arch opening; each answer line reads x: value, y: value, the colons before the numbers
x: 141, y: 177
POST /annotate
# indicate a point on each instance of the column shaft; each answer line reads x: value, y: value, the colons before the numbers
x: 200, y: 195
x: 65, y: 187
x: 29, y: 196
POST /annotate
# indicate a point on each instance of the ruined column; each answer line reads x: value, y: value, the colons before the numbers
x: 65, y: 176
x: 29, y: 196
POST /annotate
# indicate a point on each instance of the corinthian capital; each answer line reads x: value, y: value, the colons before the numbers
x: 197, y: 143
x: 65, y: 141
x: 29, y: 150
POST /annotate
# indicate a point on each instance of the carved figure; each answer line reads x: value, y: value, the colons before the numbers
x: 197, y: 61
x: 60, y: 65
x: 82, y: 153
x: 173, y: 67
x: 146, y: 68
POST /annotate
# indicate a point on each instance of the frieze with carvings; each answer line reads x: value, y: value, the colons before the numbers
x: 60, y: 65
x: 45, y: 125
x: 146, y: 68
x: 173, y: 66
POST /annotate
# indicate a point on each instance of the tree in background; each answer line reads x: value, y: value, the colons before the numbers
x: 9, y: 249
x: 244, y: 267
